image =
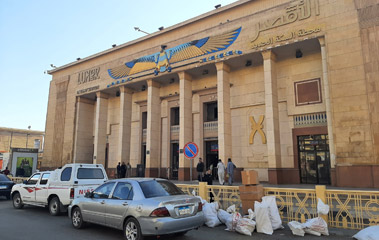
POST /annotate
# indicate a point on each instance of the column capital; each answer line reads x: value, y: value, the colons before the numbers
x: 152, y: 83
x: 125, y: 89
x: 321, y: 41
x: 268, y: 54
x: 184, y: 75
x: 84, y: 100
x: 222, y: 66
x: 102, y: 95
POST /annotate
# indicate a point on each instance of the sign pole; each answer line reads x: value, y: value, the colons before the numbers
x: 191, y: 169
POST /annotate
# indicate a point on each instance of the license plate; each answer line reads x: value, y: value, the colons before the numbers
x: 184, y: 210
x: 3, y: 187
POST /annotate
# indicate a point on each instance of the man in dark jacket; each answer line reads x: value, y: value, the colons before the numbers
x: 119, y: 170
x: 123, y: 170
x: 200, y: 170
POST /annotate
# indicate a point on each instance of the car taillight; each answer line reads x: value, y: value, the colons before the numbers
x: 72, y: 193
x: 200, y: 208
x: 160, y: 212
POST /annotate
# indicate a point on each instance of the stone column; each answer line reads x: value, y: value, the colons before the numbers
x: 224, y: 115
x: 83, y: 142
x: 329, y: 118
x: 123, y: 154
x: 272, y: 114
x: 185, y: 116
x: 100, y: 128
x: 153, y: 129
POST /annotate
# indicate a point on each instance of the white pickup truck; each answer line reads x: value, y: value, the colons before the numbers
x: 56, y: 189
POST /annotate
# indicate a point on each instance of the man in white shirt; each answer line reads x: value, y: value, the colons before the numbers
x: 221, y: 172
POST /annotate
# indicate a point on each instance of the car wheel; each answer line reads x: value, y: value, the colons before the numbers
x: 77, y: 218
x: 54, y: 206
x: 17, y: 201
x: 132, y: 230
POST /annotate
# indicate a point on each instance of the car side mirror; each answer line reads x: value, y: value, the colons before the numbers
x: 25, y: 182
x: 88, y: 194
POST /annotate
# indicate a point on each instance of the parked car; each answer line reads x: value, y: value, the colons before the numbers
x: 5, y: 186
x: 56, y: 189
x: 140, y: 207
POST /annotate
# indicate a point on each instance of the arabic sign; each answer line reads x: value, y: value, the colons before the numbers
x: 285, y: 37
x: 296, y: 11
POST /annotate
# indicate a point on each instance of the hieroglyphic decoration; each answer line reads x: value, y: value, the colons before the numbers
x: 296, y: 11
x: 257, y: 127
x: 161, y: 62
x: 285, y: 37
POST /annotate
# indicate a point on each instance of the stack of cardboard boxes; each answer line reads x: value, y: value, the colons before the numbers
x: 251, y: 190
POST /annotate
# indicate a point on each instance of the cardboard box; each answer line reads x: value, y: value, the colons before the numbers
x: 251, y: 188
x: 249, y: 177
x: 246, y: 205
x: 254, y: 196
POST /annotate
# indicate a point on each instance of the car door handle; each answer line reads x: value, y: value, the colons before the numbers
x: 125, y: 204
x: 102, y: 202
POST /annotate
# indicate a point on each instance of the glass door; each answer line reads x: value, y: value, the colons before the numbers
x: 314, y: 159
x: 174, y: 160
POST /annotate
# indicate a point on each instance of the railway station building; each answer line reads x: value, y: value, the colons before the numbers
x: 287, y: 88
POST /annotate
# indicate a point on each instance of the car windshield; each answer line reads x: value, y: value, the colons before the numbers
x: 90, y: 173
x: 4, y: 178
x: 156, y: 188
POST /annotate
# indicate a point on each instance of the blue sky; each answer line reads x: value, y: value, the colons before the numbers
x: 37, y: 33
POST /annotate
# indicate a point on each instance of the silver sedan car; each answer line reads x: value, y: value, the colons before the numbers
x: 140, y: 207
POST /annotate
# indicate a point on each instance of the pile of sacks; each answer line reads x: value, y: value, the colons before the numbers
x: 315, y: 226
x: 266, y: 217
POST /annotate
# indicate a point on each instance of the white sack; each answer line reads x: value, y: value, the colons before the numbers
x: 251, y: 214
x: 322, y: 208
x: 296, y: 228
x: 309, y: 231
x: 276, y: 222
x: 245, y: 226
x: 223, y: 215
x: 232, y: 221
x: 210, y: 214
x: 317, y: 224
x: 231, y: 209
x: 262, y: 218
x: 369, y: 233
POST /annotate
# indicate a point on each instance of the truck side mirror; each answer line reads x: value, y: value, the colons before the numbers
x: 88, y: 195
x: 25, y: 182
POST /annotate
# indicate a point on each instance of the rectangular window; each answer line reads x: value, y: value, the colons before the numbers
x: 174, y: 116
x: 210, y: 112
x: 44, y: 179
x: 90, y: 173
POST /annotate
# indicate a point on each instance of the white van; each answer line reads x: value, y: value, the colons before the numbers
x: 56, y: 189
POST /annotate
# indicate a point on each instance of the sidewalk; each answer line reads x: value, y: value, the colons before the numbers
x: 265, y: 184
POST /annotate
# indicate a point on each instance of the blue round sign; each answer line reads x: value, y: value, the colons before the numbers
x: 191, y: 150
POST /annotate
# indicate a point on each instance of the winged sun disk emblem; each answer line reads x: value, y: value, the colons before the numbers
x: 162, y: 60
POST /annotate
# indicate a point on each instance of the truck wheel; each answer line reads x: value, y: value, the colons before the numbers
x: 17, y: 201
x: 55, y: 206
x: 77, y: 218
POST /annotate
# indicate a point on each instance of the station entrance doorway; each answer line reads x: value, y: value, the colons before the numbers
x: 314, y: 159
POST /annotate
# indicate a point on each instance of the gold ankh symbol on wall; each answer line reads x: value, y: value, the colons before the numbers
x: 257, y: 127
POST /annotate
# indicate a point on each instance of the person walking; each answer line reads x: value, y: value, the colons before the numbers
x: 118, y: 170
x: 230, y: 170
x: 123, y: 170
x: 200, y: 170
x: 221, y: 172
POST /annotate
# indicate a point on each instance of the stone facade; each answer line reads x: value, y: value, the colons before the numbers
x: 295, y: 96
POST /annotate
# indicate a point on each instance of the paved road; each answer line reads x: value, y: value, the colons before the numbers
x: 36, y: 223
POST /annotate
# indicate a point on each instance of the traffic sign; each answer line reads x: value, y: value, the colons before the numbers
x: 191, y: 150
